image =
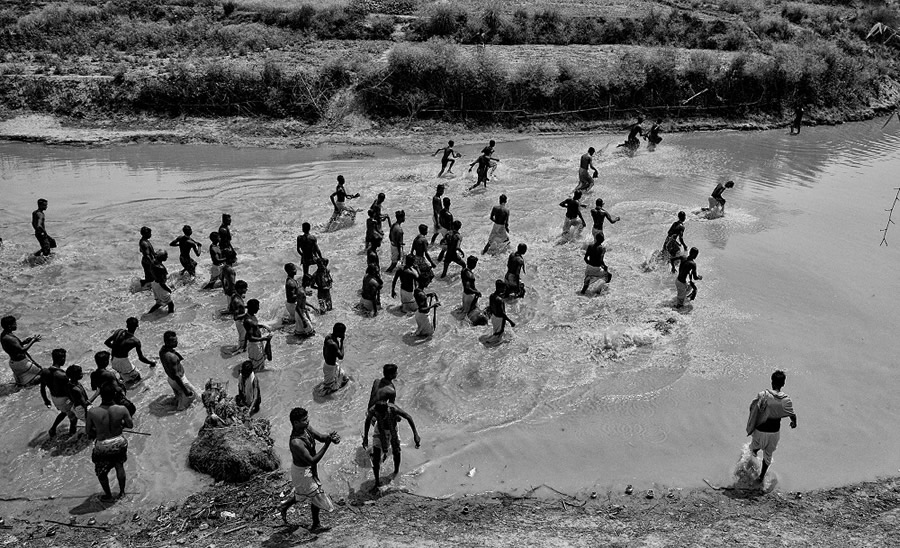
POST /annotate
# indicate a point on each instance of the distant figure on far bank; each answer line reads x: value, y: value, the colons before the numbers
x: 798, y: 119
x: 105, y: 424
x: 448, y: 159
x: 585, y: 179
x: 716, y: 201
x: 764, y: 422
x: 38, y: 221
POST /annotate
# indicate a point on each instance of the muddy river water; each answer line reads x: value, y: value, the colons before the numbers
x: 588, y: 393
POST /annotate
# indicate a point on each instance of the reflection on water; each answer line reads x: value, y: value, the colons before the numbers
x: 608, y: 389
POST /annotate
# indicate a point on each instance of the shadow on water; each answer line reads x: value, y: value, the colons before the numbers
x: 163, y: 406
x: 411, y: 339
x: 8, y: 389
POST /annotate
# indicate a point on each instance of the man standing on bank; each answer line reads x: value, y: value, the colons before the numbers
x: 305, y: 470
x: 764, y: 423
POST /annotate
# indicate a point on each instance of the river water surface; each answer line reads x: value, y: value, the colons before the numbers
x: 587, y: 394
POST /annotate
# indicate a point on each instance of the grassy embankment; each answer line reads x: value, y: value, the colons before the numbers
x: 407, y: 59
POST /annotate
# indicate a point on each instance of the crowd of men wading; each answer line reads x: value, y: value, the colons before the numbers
x: 414, y: 270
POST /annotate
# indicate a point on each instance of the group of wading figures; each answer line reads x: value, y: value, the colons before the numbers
x: 60, y: 386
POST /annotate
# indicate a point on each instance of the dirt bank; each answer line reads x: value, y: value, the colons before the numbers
x: 864, y: 514
x: 353, y: 130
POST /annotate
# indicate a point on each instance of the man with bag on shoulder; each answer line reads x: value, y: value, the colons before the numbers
x: 764, y: 422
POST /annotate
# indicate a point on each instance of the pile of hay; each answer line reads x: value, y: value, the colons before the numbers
x: 229, y: 446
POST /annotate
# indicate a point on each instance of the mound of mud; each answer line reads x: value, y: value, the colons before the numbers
x: 234, y: 453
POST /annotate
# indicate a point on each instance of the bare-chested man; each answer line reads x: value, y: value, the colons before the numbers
x: 338, y: 200
x: 454, y: 253
x: 573, y: 213
x: 186, y: 245
x: 716, y: 201
x: 225, y: 235
x: 599, y: 215
x: 121, y: 343
x: 237, y: 307
x: 105, y: 424
x: 171, y: 361
x: 162, y: 293
x: 448, y: 158
x: 423, y: 262
x: 409, y: 278
x: 148, y: 255
x: 470, y: 292
x: 515, y: 267
x: 675, y: 234
x: 256, y: 340
x: 332, y: 351
x: 38, y: 221
x: 585, y: 180
x: 217, y: 259
x: 437, y: 205
x: 425, y: 302
x: 386, y: 415
x: 308, y: 249
x: 371, y: 290
x: 499, y: 237
x: 54, y: 379
x: 304, y: 468
x: 25, y: 371
x: 395, y: 236
x: 445, y: 225
x: 595, y: 268
x: 687, y: 273
x: 497, y: 307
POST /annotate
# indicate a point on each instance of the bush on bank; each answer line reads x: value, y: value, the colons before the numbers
x: 439, y: 78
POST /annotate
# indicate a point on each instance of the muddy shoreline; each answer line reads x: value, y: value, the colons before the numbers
x: 26, y: 126
x: 862, y: 514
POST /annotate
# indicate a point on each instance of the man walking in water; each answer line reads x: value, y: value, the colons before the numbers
x: 308, y: 249
x: 448, y: 159
x: 423, y: 262
x: 304, y: 469
x: 218, y: 260
x: 445, y: 225
x: 436, y: 207
x: 598, y: 215
x: 105, y: 424
x: 225, y: 235
x: 40, y: 230
x: 687, y: 273
x: 171, y: 361
x: 634, y: 131
x: 798, y: 119
x: 256, y: 341
x: 395, y: 236
x: 596, y: 267
x: 497, y: 308
x: 25, y: 371
x: 186, y: 244
x: 515, y: 267
x: 573, y: 212
x: 338, y: 200
x: 499, y: 237
x: 55, y: 379
x: 453, y: 252
x: 675, y: 234
x: 585, y: 180
x: 409, y: 278
x: 716, y: 201
x: 386, y: 415
x: 470, y: 292
x: 148, y: 255
x: 121, y: 343
x: 764, y: 422
x: 332, y: 351
x: 162, y: 293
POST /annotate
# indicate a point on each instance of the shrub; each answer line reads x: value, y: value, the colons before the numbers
x: 441, y: 19
x: 548, y: 27
x: 228, y: 7
x: 772, y: 26
x: 379, y: 27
